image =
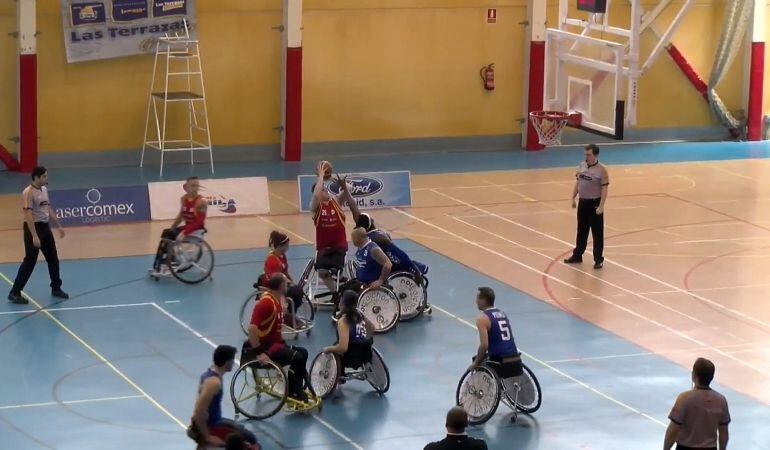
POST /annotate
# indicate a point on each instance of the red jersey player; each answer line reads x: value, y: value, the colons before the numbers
x: 330, y: 236
x: 192, y: 211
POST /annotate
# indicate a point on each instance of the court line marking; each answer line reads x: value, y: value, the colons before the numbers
x: 284, y: 199
x: 187, y: 327
x: 591, y: 294
x: 750, y: 347
x: 99, y: 356
x: 69, y: 402
x: 717, y: 288
x: 563, y: 374
x: 622, y: 266
x: 533, y: 183
x: 285, y: 229
x: 74, y: 308
x: 588, y: 274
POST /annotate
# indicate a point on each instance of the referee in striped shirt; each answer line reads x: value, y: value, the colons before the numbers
x: 38, y: 237
x: 591, y: 186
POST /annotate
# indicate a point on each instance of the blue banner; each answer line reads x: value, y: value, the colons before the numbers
x: 88, y: 13
x: 95, y: 206
x: 164, y: 8
x: 128, y: 10
x: 372, y: 190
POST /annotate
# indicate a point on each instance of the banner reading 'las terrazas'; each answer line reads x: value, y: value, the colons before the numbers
x: 114, y: 28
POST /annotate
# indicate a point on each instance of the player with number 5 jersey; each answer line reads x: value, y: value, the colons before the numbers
x: 496, y: 341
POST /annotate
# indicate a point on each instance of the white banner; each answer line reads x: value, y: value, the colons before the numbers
x: 225, y: 197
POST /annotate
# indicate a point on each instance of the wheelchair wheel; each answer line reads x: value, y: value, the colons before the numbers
x: 411, y: 295
x: 479, y: 393
x: 299, y: 321
x: 325, y: 374
x: 258, y: 391
x: 530, y: 395
x: 192, y: 260
x: 381, y: 307
x: 246, y: 310
x: 377, y: 373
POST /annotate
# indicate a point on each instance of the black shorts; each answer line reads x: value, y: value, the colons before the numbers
x: 509, y: 366
x: 330, y: 259
x: 357, y: 355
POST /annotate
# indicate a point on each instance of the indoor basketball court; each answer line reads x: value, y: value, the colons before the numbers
x: 469, y: 176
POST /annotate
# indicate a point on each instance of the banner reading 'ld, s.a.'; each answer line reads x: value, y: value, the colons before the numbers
x: 98, y: 206
x: 371, y: 190
x: 113, y: 28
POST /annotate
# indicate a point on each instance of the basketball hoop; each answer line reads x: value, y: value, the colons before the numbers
x: 549, y: 125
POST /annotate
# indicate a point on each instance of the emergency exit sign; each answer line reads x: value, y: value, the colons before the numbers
x: 492, y: 15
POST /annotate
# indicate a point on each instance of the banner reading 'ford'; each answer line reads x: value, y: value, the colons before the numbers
x: 371, y: 190
x: 97, y: 206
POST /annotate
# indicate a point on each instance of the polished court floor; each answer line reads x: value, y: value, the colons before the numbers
x: 687, y: 253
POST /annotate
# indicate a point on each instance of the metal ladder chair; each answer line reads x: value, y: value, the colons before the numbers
x: 177, y: 83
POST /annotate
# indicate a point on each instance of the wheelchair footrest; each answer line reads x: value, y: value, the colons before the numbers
x: 294, y: 405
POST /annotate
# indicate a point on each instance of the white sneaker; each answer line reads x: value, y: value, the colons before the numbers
x: 162, y: 273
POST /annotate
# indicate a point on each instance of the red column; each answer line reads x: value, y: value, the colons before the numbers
x: 535, y: 90
x: 291, y: 81
x: 28, y: 112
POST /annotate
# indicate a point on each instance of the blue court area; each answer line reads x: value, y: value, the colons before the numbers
x: 116, y: 366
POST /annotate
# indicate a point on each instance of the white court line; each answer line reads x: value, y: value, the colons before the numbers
x: 76, y: 308
x: 591, y: 294
x: 70, y: 402
x: 718, y: 288
x: 563, y: 374
x: 748, y: 238
x: 285, y: 200
x: 99, y: 356
x: 492, y: 184
x: 622, y: 266
x: 751, y: 345
x: 172, y: 301
x: 285, y: 229
x: 590, y: 275
x: 213, y: 345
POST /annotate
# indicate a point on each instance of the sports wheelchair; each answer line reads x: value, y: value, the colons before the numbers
x: 327, y: 372
x: 314, y: 287
x: 190, y: 260
x: 300, y: 320
x: 481, y: 389
x: 412, y: 296
x: 259, y: 391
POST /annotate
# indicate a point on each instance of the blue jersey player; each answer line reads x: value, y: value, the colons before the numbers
x: 496, y: 342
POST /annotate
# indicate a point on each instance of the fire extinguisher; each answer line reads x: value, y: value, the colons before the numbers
x: 488, y: 76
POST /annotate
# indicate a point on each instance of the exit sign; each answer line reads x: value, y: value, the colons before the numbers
x: 593, y: 6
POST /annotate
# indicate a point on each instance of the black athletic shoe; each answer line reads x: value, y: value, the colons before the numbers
x: 573, y: 260
x: 60, y: 294
x: 599, y: 265
x: 16, y: 298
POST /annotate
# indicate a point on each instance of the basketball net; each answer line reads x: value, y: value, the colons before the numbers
x: 549, y: 126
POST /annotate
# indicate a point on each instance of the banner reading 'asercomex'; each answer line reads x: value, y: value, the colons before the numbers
x: 113, y: 28
x: 371, y: 190
x: 225, y: 197
x: 96, y: 206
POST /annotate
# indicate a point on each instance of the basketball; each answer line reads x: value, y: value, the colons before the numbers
x: 327, y: 168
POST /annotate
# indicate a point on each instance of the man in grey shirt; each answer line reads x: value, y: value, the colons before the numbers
x: 700, y: 416
x: 591, y: 185
x: 38, y: 236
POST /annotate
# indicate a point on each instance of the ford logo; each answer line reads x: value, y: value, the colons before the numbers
x: 359, y: 186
